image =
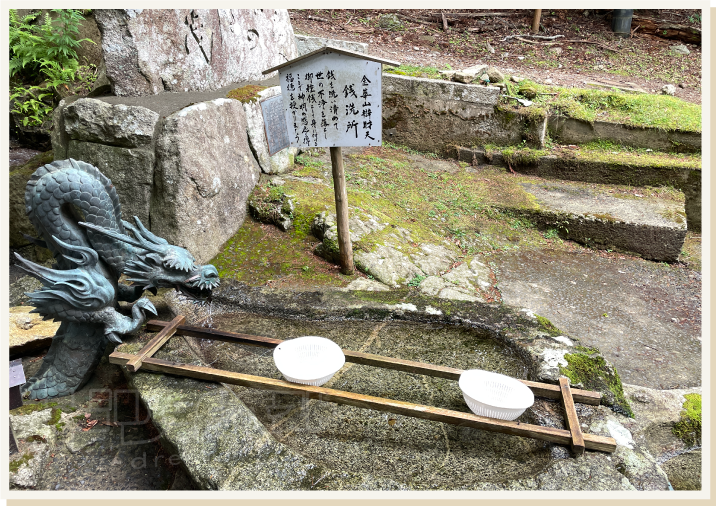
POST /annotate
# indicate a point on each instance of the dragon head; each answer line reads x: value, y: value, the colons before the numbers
x: 159, y: 264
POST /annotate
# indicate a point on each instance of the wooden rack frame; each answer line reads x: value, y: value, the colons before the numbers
x: 573, y: 437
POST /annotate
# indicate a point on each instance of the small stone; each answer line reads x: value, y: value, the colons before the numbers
x: 495, y: 75
x: 668, y: 89
x: 489, y: 47
x: 416, y: 48
x: 640, y: 397
x: 680, y: 49
x: 520, y: 57
x: 548, y: 81
x: 399, y: 39
x: 516, y: 79
x: 556, y: 50
x: 390, y: 22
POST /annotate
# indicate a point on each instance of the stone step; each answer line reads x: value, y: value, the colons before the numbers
x: 589, y: 214
x: 608, y: 171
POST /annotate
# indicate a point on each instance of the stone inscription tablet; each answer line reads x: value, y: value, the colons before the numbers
x: 332, y: 100
x: 275, y: 124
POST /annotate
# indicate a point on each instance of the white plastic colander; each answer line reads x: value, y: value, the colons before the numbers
x: 310, y: 360
x: 495, y: 395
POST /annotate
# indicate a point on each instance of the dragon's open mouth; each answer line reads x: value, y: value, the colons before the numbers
x: 198, y: 294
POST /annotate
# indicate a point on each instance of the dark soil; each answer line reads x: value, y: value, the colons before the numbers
x: 643, y: 60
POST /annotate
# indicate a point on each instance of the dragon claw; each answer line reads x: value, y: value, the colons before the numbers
x: 145, y: 304
x: 113, y: 338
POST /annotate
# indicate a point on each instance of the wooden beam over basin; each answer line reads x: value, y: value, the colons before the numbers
x: 560, y: 436
x: 545, y: 390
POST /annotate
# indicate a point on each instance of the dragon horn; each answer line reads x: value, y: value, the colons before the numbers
x: 89, y: 256
x: 149, y: 245
x: 147, y: 234
x: 121, y: 237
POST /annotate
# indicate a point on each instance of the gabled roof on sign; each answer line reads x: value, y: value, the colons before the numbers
x: 331, y: 49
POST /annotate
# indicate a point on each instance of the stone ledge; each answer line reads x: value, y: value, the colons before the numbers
x: 687, y: 180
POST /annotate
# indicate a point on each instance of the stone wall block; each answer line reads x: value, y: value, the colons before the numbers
x: 306, y: 44
x: 92, y: 120
x: 204, y: 174
x: 58, y: 135
x: 149, y: 51
x: 130, y: 170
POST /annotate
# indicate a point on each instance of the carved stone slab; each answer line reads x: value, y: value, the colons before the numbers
x: 148, y: 51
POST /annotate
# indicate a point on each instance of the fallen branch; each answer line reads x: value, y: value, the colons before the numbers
x: 574, y: 41
x: 665, y: 29
x: 316, y: 18
x: 415, y: 20
x: 470, y: 14
x: 445, y: 25
x: 588, y: 42
x: 552, y: 37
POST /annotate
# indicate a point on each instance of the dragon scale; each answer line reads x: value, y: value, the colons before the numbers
x: 76, y: 212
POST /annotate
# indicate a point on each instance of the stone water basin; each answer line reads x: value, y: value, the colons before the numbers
x: 420, y: 453
x: 235, y: 438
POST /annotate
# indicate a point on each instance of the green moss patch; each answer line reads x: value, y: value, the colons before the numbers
x: 246, y: 94
x: 26, y: 409
x: 548, y: 326
x: 16, y: 464
x: 415, y: 71
x: 589, y: 369
x: 641, y: 110
x: 55, y: 419
x: 688, y: 429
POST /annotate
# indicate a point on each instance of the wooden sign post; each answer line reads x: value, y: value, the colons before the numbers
x: 332, y: 98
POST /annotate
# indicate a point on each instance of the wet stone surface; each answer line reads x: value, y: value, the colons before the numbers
x: 419, y: 453
x: 644, y: 317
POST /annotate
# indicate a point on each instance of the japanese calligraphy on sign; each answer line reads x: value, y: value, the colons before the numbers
x: 274, y: 124
x: 332, y: 100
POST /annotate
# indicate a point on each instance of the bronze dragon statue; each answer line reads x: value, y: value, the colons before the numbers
x: 76, y: 212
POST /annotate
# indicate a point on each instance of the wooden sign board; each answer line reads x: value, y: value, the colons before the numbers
x: 275, y: 124
x: 332, y: 100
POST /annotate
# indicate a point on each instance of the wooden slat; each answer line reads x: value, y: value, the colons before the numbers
x: 155, y: 343
x: 571, y: 417
x: 551, y: 434
x: 540, y: 389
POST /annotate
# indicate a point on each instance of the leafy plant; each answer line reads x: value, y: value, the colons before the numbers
x: 31, y: 104
x: 416, y: 280
x: 43, y: 60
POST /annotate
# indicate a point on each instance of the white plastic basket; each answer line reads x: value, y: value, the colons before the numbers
x: 310, y: 360
x: 495, y: 395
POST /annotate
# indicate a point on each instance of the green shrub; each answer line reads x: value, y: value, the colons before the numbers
x: 43, y: 58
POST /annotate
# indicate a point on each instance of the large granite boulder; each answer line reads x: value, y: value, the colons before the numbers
x: 148, y: 51
x: 203, y: 176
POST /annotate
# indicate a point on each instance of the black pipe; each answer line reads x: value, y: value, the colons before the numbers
x: 621, y: 22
